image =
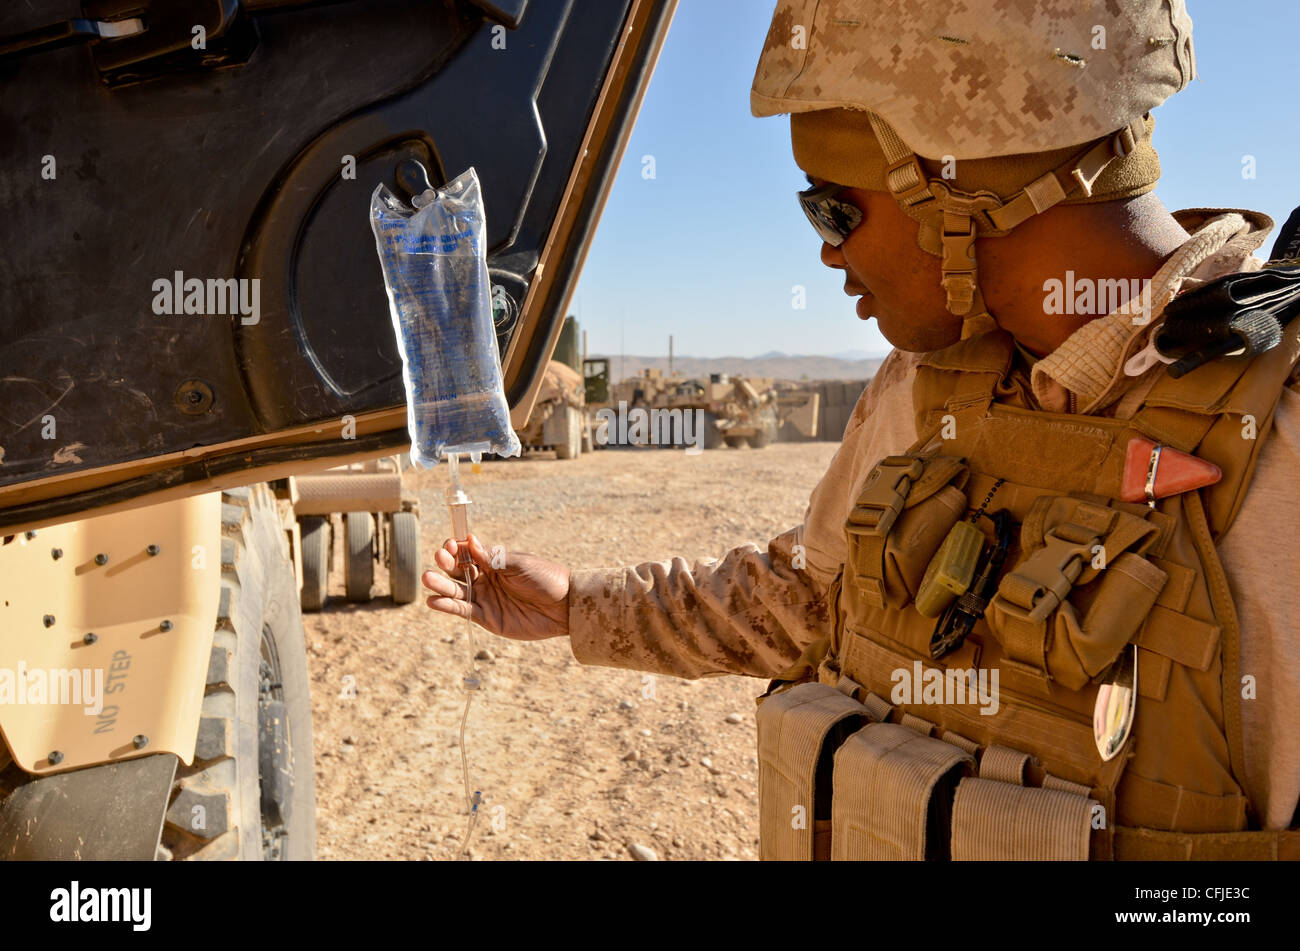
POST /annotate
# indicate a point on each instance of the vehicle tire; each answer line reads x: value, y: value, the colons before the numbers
x: 404, y: 557
x: 359, y: 567
x: 317, y: 540
x: 250, y: 792
x: 766, y: 434
x: 571, y: 448
x: 588, y: 441
x: 712, y: 434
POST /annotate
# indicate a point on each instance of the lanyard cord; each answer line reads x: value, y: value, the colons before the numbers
x: 472, y: 802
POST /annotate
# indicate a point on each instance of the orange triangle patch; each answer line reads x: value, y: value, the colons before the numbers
x: 1176, y: 472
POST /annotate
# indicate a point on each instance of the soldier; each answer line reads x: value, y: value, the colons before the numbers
x: 982, y: 172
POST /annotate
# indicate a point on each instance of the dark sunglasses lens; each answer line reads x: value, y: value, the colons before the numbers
x: 823, y: 226
x: 831, y: 218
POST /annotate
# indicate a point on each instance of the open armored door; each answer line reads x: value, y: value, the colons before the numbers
x: 147, y: 141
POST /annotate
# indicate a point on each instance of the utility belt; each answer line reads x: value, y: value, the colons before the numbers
x: 852, y: 769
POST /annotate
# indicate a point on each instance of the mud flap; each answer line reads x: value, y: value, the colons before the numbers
x: 114, y: 811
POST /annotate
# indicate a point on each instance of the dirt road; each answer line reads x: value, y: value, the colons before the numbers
x: 573, y: 762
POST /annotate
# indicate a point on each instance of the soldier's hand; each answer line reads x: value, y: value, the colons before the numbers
x: 526, y: 599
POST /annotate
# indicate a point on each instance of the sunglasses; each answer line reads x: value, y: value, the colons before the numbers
x: 832, y: 217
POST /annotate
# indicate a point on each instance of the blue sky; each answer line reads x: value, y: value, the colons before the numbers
x: 709, y: 249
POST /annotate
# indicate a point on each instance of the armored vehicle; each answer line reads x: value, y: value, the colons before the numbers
x: 734, y: 410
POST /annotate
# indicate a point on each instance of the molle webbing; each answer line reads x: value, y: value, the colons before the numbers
x: 1210, y: 412
x: 1091, y: 575
x: 1146, y: 845
x: 1222, y: 412
x: 1088, y: 579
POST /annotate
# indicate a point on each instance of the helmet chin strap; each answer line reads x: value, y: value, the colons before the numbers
x: 951, y: 219
x: 978, y: 320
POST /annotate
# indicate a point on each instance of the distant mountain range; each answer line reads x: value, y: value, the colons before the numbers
x: 842, y: 355
x: 850, y: 365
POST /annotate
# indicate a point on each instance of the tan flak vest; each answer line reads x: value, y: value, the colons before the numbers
x: 863, y: 755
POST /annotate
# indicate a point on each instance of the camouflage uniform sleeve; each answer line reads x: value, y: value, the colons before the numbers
x: 752, y: 612
x: 744, y: 614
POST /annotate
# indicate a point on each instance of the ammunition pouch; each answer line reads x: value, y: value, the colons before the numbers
x: 799, y: 730
x: 838, y: 780
x: 892, y: 794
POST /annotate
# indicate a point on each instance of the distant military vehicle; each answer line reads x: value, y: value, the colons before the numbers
x: 734, y: 410
x: 559, y: 417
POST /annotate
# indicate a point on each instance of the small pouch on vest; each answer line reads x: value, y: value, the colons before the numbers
x: 916, y: 539
x: 892, y: 797
x: 997, y: 821
x: 798, y: 731
x: 1032, y: 615
x: 902, y: 515
x: 1124, y: 596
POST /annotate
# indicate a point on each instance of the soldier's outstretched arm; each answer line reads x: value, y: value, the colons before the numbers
x: 748, y: 613
x: 751, y: 612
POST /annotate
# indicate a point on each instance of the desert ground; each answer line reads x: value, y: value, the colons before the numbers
x: 573, y: 762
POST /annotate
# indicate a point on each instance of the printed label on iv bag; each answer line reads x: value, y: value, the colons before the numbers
x: 439, y: 296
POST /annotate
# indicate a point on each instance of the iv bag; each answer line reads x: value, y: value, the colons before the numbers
x: 439, y: 296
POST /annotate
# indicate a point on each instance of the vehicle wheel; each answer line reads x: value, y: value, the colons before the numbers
x: 712, y: 434
x: 588, y: 442
x: 359, y: 568
x: 766, y: 433
x: 571, y: 448
x: 317, y: 540
x: 250, y: 792
x: 404, y: 556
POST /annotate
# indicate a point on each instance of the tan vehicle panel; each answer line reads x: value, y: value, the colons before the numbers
x: 70, y: 615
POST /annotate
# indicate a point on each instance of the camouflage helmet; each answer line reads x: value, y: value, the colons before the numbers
x: 1024, y: 103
